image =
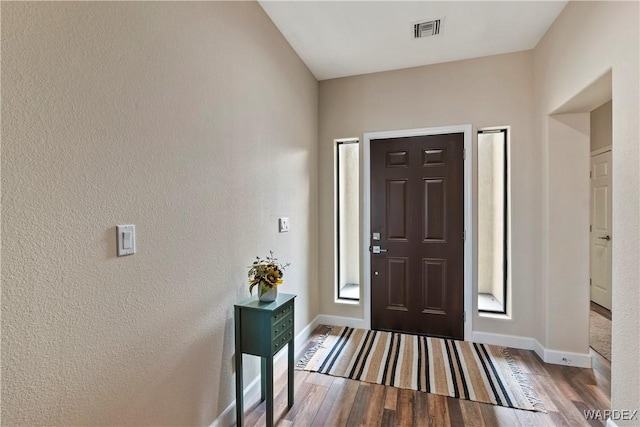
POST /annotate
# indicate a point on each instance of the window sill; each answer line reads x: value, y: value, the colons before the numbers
x: 346, y: 301
x: 500, y: 316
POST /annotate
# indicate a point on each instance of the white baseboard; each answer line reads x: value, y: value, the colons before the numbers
x: 252, y: 391
x: 512, y: 341
x: 579, y: 360
x: 566, y: 358
x: 539, y: 349
x: 251, y: 395
x: 351, y: 322
x: 302, y: 337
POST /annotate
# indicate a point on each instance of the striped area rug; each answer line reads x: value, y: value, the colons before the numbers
x: 478, y: 372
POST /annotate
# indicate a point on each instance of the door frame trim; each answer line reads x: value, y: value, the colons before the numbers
x: 601, y: 150
x: 469, y: 214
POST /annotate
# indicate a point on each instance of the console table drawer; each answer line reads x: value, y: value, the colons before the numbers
x: 281, y: 312
x: 282, y: 339
x: 284, y: 322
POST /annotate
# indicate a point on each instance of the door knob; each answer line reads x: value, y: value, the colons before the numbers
x: 607, y: 238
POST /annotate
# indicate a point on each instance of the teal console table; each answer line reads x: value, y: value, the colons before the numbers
x: 263, y: 329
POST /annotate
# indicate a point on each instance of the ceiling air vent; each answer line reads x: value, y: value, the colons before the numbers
x: 426, y: 29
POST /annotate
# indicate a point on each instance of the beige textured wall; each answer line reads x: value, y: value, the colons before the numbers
x: 198, y: 123
x: 601, y: 126
x: 568, y: 223
x: 568, y: 59
x: 489, y: 91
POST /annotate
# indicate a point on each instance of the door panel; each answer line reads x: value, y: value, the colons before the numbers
x: 397, y: 159
x: 396, y: 217
x: 435, y: 206
x: 601, y: 229
x: 417, y: 206
x: 398, y: 283
x: 434, y: 285
x: 434, y: 157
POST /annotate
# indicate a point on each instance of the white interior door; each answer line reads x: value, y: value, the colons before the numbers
x: 601, y: 229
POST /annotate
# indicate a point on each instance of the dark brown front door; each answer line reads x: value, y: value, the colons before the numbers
x: 417, y: 207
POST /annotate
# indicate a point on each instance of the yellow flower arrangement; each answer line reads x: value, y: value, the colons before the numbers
x: 266, y: 273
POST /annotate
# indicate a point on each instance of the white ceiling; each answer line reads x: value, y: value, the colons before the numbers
x: 345, y: 38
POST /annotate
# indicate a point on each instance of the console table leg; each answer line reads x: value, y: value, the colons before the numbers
x: 263, y: 376
x: 239, y: 385
x: 290, y: 384
x: 269, y: 390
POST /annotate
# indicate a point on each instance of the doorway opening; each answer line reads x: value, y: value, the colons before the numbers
x: 600, y: 229
x: 579, y: 214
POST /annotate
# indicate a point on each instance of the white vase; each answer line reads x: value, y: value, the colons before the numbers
x: 267, y: 294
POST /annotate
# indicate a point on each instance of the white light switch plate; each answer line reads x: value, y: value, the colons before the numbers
x: 283, y: 224
x: 126, y: 239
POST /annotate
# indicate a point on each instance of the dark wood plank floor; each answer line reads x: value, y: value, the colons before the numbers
x: 322, y: 400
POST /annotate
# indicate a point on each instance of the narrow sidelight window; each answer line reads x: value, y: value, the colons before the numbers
x: 492, y: 221
x: 348, y: 221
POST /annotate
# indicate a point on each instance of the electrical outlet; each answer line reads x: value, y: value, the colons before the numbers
x: 283, y: 224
